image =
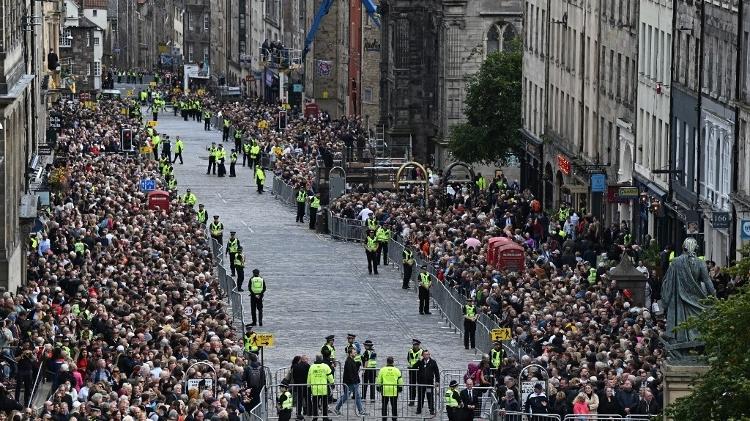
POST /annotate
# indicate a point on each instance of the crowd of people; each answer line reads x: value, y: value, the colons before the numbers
x: 121, y: 299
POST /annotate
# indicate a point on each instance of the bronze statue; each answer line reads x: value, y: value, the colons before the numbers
x: 686, y: 284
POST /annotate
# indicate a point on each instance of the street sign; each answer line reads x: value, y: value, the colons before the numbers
x: 200, y: 384
x: 264, y: 340
x: 598, y: 183
x: 720, y: 220
x: 501, y: 334
x: 745, y: 235
x: 148, y: 184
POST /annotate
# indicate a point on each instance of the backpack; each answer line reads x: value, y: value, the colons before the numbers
x: 471, y: 371
x: 255, y: 377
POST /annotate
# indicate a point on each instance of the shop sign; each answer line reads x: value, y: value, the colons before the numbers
x: 564, y: 164
x: 598, y: 183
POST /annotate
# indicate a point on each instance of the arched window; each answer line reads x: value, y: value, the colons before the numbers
x: 493, y: 39
x: 509, y: 33
x: 498, y: 37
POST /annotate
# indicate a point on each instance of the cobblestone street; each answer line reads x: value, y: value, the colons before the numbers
x: 316, y: 286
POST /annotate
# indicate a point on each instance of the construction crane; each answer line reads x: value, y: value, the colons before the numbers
x: 325, y: 7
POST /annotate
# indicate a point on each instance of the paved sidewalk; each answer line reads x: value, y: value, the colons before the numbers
x: 316, y: 286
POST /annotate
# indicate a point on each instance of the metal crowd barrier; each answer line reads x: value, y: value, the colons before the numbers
x: 606, y: 417
x: 303, y: 401
x: 345, y: 229
x: 449, y: 301
x: 502, y: 415
x: 229, y: 287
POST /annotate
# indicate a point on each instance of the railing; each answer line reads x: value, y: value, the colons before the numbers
x: 37, y: 382
x: 303, y: 401
x: 606, y: 417
x: 345, y: 229
x: 503, y: 415
x: 228, y: 286
x: 448, y: 300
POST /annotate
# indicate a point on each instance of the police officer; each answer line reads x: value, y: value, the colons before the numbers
x: 201, y: 215
x: 254, y: 152
x: 260, y: 178
x: 425, y: 283
x: 408, y: 261
x: 232, y: 245
x: 217, y: 230
x: 328, y: 351
x: 246, y: 154
x: 179, y: 146
x: 371, y: 249
x: 221, y: 156
x: 319, y: 377
x: 314, y: 206
x: 225, y: 130
x: 237, y: 137
x: 390, y: 383
x: 413, y: 356
x: 239, y: 267
x: 452, y: 401
x: 383, y: 235
x: 155, y: 141
x: 189, y: 198
x: 470, y: 323
x: 232, y: 163
x: 301, y: 200
x: 370, y: 364
x: 257, y: 288
x: 207, y: 119
x: 166, y: 149
x: 212, y: 158
x: 284, y: 403
x: 496, y: 356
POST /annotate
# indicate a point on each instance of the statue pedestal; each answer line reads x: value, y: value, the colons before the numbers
x: 677, y: 379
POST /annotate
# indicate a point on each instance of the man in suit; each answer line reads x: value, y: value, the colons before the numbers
x: 428, y: 375
x: 469, y: 401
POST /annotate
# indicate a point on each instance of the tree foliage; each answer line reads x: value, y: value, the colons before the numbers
x: 742, y: 267
x: 723, y: 393
x: 493, y: 109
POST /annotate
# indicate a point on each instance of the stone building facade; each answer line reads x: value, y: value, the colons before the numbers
x: 741, y: 197
x: 22, y: 126
x: 651, y: 148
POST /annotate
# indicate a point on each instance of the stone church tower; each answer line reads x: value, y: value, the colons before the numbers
x: 429, y: 48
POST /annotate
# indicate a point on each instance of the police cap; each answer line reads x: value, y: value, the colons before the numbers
x: 233, y: 232
x: 351, y: 335
x: 216, y: 216
x: 453, y: 383
x: 330, y: 337
x: 416, y: 342
x: 368, y: 343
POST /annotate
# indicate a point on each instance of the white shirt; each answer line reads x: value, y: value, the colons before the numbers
x: 364, y: 214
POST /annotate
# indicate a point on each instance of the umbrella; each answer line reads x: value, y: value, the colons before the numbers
x: 472, y: 242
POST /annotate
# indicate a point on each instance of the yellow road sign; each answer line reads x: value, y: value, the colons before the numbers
x: 502, y: 334
x: 264, y: 339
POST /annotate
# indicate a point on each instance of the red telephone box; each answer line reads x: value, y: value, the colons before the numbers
x: 158, y: 199
x: 506, y: 254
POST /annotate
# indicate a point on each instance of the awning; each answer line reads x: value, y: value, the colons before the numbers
x: 657, y: 190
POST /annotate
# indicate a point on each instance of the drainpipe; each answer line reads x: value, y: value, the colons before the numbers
x: 736, y: 146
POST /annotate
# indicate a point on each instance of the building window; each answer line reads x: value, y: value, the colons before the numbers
x: 493, y: 40
x: 67, y: 38
x: 189, y: 21
x: 190, y: 53
x: 367, y: 95
x: 88, y: 69
x: 97, y: 68
x: 206, y: 21
x: 94, y: 12
x: 205, y: 54
x: 96, y: 41
x: 88, y: 39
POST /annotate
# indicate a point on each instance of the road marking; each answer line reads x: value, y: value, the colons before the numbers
x: 222, y: 199
x: 247, y: 226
